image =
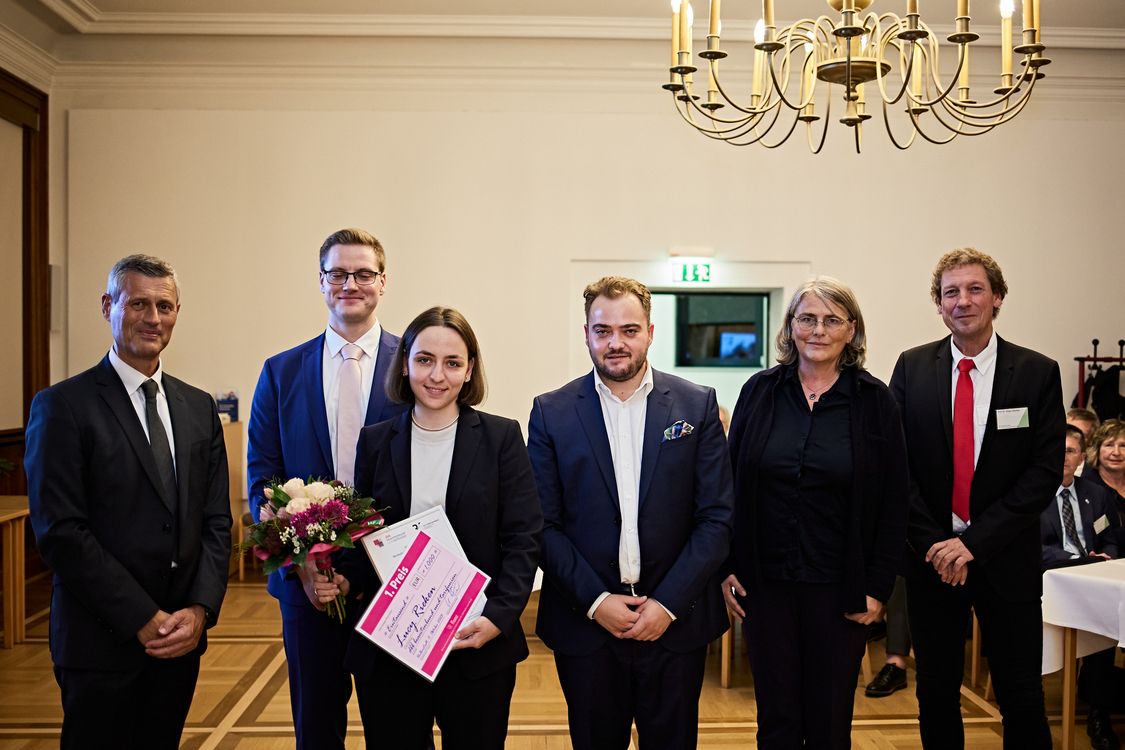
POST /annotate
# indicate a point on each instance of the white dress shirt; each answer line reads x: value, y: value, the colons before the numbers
x: 331, y: 361
x: 132, y: 379
x: 625, y: 428
x: 1067, y: 546
x: 431, y: 456
x: 983, y: 374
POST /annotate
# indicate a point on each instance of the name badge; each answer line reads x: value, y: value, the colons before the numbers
x: 1101, y: 524
x: 1011, y: 419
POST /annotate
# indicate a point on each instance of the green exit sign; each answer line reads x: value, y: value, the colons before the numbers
x: 695, y: 272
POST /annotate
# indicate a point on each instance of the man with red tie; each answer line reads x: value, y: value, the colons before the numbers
x: 984, y: 429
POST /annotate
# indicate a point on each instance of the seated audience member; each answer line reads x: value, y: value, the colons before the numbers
x: 1087, y: 421
x: 1107, y: 460
x: 1081, y: 524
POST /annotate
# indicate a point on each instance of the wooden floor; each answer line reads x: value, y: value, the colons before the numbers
x: 242, y: 700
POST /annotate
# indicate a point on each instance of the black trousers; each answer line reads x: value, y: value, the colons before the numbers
x: 898, y: 626
x: 399, y: 707
x: 626, y: 681
x: 1100, y: 683
x: 1013, y: 643
x: 805, y: 657
x: 142, y: 709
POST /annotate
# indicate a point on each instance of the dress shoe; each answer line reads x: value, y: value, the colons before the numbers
x: 1101, y: 732
x: 889, y: 679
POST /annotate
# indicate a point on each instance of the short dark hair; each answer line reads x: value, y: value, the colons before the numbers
x: 1074, y: 432
x: 354, y: 236
x: 968, y: 256
x: 146, y: 265
x: 398, y: 384
x: 613, y: 287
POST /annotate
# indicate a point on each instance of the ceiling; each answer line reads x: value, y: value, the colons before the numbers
x: 263, y: 16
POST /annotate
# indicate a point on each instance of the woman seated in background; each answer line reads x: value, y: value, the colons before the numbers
x: 820, y: 478
x: 1107, y: 461
x: 475, y: 465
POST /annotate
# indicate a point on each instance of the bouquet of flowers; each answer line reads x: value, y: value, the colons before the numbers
x: 309, y: 520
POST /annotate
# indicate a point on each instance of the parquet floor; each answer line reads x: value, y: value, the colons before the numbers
x: 242, y: 703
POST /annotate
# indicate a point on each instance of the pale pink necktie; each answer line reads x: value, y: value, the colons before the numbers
x: 349, y: 413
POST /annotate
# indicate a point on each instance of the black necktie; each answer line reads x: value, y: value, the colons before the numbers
x: 1068, y: 523
x: 158, y: 441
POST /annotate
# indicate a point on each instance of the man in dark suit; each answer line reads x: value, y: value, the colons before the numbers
x: 1081, y: 527
x: 635, y: 484
x: 127, y: 480
x: 309, y: 406
x: 984, y: 429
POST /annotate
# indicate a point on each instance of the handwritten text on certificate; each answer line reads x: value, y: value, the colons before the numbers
x: 422, y: 604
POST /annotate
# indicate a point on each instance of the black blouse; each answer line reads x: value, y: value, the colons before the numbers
x: 806, y: 480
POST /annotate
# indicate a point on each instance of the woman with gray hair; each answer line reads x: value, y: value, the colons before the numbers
x: 820, y: 479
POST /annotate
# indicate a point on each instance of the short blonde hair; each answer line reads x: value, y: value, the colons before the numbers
x: 1111, y: 429
x: 968, y: 256
x: 834, y: 292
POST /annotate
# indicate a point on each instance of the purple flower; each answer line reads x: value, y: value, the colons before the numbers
x: 334, y: 512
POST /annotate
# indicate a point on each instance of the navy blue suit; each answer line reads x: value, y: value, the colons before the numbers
x: 1093, y: 503
x: 685, y: 504
x: 289, y: 438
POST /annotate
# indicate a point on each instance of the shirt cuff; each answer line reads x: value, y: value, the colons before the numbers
x: 667, y: 610
x: 593, y: 607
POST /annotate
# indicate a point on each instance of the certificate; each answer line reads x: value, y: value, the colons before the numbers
x: 427, y: 599
x: 386, y: 547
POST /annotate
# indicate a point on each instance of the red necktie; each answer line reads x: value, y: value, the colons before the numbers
x: 963, y: 440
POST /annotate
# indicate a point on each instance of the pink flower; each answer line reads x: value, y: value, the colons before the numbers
x: 333, y: 511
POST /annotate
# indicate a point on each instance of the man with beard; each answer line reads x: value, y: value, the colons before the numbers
x: 635, y: 484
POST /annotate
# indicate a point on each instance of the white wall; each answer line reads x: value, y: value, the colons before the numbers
x: 489, y: 193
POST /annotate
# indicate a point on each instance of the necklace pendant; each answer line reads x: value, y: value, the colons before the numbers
x: 812, y: 397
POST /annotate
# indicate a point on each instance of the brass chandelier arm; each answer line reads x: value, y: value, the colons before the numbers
x: 861, y: 54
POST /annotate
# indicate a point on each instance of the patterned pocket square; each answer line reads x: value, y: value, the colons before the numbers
x: 677, y: 430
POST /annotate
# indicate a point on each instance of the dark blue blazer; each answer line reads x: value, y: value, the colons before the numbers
x: 684, y: 518
x: 288, y: 434
x: 105, y: 524
x: 1093, y: 503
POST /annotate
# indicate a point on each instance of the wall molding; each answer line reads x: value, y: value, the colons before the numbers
x: 86, y: 18
x: 25, y: 60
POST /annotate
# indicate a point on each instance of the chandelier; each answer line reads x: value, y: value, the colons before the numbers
x: 875, y: 60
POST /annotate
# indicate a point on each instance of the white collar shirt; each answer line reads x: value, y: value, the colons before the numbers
x: 625, y: 428
x: 1077, y: 510
x: 982, y: 375
x: 132, y: 379
x: 331, y: 361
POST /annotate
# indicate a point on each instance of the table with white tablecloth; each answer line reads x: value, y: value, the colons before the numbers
x: 1083, y: 612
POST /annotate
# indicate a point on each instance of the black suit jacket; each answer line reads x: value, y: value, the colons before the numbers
x: 1016, y: 474
x: 1094, y: 503
x: 685, y: 501
x: 492, y: 507
x: 104, y: 525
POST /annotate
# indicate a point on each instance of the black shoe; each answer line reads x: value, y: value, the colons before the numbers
x: 1100, y: 730
x: 889, y: 679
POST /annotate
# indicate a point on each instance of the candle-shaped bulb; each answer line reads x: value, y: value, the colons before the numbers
x: 676, y: 6
x: 1007, y: 8
x: 690, y: 15
x: 760, y: 31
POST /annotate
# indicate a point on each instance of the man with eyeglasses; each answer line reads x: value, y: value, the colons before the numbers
x: 309, y: 406
x: 984, y: 427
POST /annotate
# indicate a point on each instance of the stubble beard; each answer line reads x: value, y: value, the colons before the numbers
x: 635, y: 366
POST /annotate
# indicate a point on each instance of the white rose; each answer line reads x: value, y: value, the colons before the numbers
x: 294, y: 488
x: 298, y: 505
x: 319, y: 492
x: 268, y: 492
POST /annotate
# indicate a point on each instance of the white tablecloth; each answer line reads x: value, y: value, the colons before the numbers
x: 1088, y: 598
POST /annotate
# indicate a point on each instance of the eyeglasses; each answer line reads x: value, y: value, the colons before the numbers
x: 339, y: 277
x: 832, y: 324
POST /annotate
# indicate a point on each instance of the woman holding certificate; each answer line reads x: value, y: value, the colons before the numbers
x: 475, y: 465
